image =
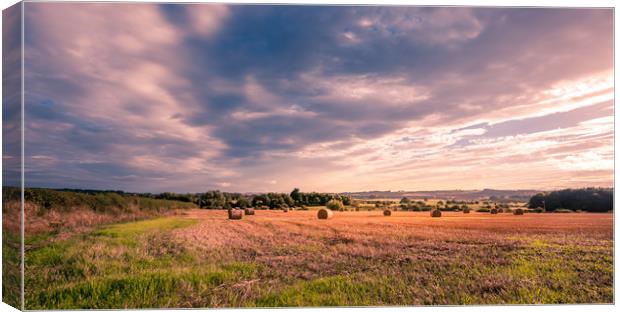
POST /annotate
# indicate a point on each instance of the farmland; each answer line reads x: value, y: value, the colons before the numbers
x: 199, y: 258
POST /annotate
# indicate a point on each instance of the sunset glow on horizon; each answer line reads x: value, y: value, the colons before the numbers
x: 256, y: 98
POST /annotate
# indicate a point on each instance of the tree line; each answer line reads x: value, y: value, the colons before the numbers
x: 66, y: 199
x: 585, y: 199
x: 100, y: 201
x: 216, y: 199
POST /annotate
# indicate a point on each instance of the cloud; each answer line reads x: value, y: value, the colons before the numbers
x: 187, y: 97
x: 206, y: 20
x: 110, y: 100
x: 11, y: 96
x: 424, y: 25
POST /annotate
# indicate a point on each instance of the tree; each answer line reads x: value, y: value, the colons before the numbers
x: 587, y: 199
x: 334, y: 205
x: 260, y: 200
x: 346, y: 200
x: 405, y: 200
x: 288, y: 200
x: 296, y: 196
x: 537, y: 201
x: 212, y: 199
x: 243, y: 202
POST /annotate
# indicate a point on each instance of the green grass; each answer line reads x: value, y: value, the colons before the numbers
x: 11, y: 269
x: 127, y: 233
x: 533, y: 274
x: 130, y: 265
x: 141, y: 265
x: 166, y: 288
x: 561, y: 274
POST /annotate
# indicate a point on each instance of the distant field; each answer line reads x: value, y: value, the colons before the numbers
x: 201, y: 259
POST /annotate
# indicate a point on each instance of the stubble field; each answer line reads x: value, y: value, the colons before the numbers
x: 202, y: 259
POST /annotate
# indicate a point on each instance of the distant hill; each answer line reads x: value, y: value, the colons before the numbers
x: 517, y: 195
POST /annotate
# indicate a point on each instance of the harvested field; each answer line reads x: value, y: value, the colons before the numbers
x: 202, y: 259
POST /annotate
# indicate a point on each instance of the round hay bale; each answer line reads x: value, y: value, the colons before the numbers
x: 387, y: 212
x: 285, y: 209
x: 466, y: 210
x: 325, y: 213
x: 436, y: 213
x: 518, y: 212
x: 249, y: 211
x: 235, y: 214
x: 493, y: 211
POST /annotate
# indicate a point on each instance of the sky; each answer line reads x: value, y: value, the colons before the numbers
x: 254, y: 98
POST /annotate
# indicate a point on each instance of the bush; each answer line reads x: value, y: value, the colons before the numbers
x: 453, y: 208
x: 483, y: 210
x: 151, y: 204
x: 108, y: 202
x: 426, y: 208
x: 99, y: 201
x: 334, y: 205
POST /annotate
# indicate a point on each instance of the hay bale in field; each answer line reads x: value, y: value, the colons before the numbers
x: 387, y: 212
x: 325, y: 213
x: 285, y: 209
x: 466, y: 210
x: 235, y: 214
x: 518, y: 211
x: 249, y: 211
x: 494, y: 211
x: 436, y: 213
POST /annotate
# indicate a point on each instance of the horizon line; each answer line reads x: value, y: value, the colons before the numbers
x: 343, y: 192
